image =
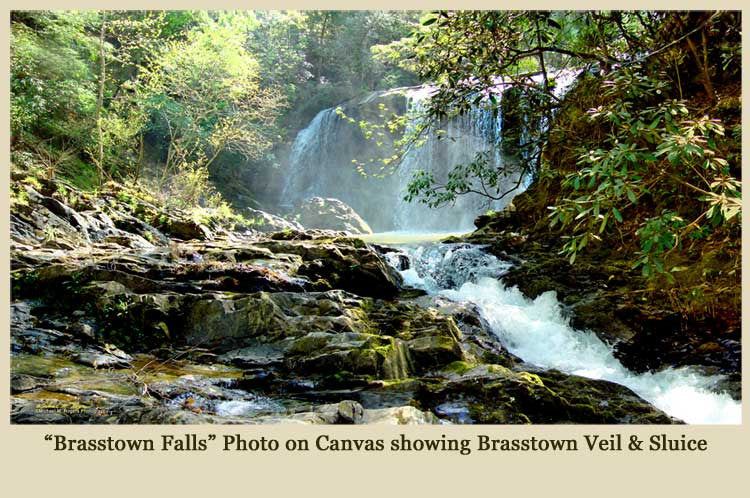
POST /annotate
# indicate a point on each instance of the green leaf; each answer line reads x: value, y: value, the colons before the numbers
x: 604, y: 223
x: 584, y: 241
x: 617, y: 214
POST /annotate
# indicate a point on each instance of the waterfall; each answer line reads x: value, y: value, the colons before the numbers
x: 311, y: 142
x: 320, y: 163
x: 460, y: 140
x: 537, y: 331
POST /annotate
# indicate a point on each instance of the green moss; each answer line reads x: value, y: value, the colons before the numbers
x: 322, y: 284
x: 33, y: 182
x: 495, y: 359
x: 499, y: 369
x: 383, y: 350
x: 342, y: 377
x: 458, y: 367
x: 18, y: 196
x: 530, y: 377
x: 80, y: 174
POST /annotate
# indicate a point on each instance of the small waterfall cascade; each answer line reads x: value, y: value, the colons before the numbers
x: 321, y: 161
x: 537, y: 331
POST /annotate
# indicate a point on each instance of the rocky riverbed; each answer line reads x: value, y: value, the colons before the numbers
x: 125, y: 312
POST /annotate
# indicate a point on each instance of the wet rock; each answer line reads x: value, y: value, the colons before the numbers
x: 325, y: 333
x: 166, y: 415
x: 267, y: 222
x: 600, y: 401
x: 72, y: 406
x: 492, y: 394
x: 188, y: 229
x: 430, y: 352
x: 332, y: 214
x: 83, y: 330
x: 505, y: 219
x: 478, y: 343
x: 29, y: 412
x: 21, y: 316
x: 343, y: 263
x: 256, y: 356
x: 125, y: 239
x: 345, y: 412
x: 364, y: 358
x: 227, y: 323
x: 399, y: 415
x: 21, y: 383
x: 595, y: 313
x: 100, y: 360
x: 400, y: 261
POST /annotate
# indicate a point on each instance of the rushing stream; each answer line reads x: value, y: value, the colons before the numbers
x: 538, y: 332
x: 535, y: 330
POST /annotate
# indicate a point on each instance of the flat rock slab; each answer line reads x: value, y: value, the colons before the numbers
x: 20, y: 383
x: 101, y: 360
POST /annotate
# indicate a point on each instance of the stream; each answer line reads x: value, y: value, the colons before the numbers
x: 538, y: 331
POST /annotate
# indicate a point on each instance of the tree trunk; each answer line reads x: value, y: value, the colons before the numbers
x: 702, y: 64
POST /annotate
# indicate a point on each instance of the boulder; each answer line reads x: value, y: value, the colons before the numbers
x: 267, y: 222
x: 399, y: 415
x: 330, y: 213
x: 492, y: 394
x: 342, y: 263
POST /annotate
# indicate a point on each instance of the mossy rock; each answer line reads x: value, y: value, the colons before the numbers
x: 497, y: 395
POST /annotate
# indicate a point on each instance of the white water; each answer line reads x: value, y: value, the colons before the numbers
x: 537, y: 331
x: 320, y: 163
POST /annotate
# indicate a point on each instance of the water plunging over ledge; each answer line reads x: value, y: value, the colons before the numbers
x: 320, y: 162
x: 537, y: 331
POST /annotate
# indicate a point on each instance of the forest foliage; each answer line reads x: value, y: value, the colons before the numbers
x: 644, y: 148
x: 164, y: 96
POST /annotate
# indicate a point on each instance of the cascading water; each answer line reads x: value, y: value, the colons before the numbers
x: 320, y: 161
x: 320, y: 164
x: 459, y: 142
x: 536, y: 331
